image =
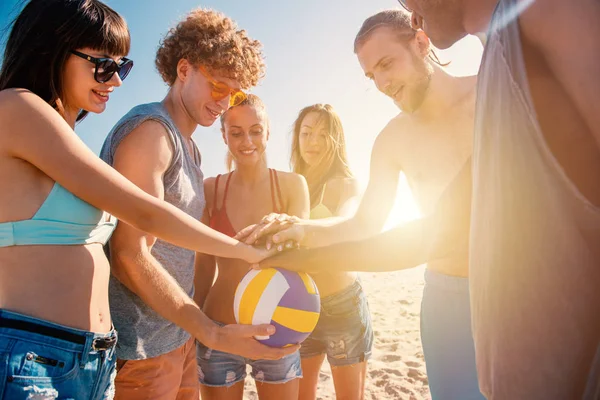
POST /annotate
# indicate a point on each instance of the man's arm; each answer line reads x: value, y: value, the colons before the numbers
x: 142, y: 157
x: 405, y: 246
x: 567, y: 34
x: 369, y: 218
x: 376, y: 203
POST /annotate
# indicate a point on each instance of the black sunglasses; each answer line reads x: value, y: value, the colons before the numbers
x: 106, y: 67
x: 403, y: 4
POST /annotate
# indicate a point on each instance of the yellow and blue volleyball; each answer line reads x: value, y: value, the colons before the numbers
x: 285, y: 299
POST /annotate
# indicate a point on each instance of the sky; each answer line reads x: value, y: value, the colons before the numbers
x: 308, y: 47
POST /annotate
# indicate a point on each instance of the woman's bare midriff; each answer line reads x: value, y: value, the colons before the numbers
x: 218, y: 305
x: 332, y: 283
x: 67, y: 285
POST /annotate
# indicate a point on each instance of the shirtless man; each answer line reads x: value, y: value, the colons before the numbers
x: 431, y: 142
x: 535, y: 232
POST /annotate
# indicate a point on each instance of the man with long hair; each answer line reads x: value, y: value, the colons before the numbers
x: 431, y: 142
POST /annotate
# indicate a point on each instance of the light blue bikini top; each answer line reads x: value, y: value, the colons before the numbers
x: 63, y: 219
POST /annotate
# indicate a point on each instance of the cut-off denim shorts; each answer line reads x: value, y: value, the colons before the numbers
x: 40, y: 359
x: 219, y: 369
x: 344, y: 329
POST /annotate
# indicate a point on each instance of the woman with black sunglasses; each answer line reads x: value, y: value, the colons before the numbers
x: 62, y: 60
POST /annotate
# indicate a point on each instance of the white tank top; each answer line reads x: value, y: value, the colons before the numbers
x: 534, y: 246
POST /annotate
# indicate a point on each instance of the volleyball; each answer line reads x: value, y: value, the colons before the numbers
x: 285, y: 299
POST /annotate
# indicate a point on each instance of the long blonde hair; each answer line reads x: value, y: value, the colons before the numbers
x: 333, y: 164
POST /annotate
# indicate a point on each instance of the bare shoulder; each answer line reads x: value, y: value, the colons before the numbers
x: 209, y: 191
x: 395, y: 134
x: 395, y: 129
x: 15, y: 98
x: 391, y: 141
x: 467, y: 103
x: 17, y: 106
x: 291, y: 181
x: 148, y: 145
x: 24, y: 116
x: 149, y: 134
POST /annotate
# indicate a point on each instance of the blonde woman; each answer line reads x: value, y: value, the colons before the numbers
x: 343, y: 332
x: 233, y: 201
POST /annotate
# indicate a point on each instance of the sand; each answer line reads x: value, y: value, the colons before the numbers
x: 396, y: 369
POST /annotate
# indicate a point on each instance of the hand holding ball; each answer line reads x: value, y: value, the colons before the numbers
x: 285, y: 299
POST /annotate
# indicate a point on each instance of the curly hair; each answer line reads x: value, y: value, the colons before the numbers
x: 209, y: 38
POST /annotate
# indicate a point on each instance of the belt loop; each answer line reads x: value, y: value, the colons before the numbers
x: 87, y: 347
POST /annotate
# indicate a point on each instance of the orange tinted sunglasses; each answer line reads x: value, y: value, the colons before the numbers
x: 220, y: 90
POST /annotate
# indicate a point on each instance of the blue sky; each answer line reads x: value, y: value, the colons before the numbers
x: 309, y: 57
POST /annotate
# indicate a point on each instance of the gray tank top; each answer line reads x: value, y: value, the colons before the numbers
x: 142, y: 332
x: 535, y: 243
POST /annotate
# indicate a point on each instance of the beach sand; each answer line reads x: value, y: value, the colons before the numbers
x: 396, y: 369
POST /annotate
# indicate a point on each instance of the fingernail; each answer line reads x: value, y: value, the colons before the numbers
x: 268, y: 246
x: 279, y: 248
x: 288, y: 246
x: 271, y: 330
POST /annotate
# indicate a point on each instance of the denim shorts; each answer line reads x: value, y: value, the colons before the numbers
x: 344, y: 329
x: 219, y: 369
x: 40, y: 359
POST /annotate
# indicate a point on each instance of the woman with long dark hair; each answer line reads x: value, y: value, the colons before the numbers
x: 63, y: 59
x: 343, y: 332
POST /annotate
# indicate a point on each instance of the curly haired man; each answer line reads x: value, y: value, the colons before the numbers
x: 207, y: 61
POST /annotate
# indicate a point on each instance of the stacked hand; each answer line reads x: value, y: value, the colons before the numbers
x: 278, y: 232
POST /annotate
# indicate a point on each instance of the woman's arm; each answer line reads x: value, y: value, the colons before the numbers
x: 34, y: 132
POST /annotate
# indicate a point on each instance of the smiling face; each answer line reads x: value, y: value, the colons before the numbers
x: 80, y: 89
x: 397, y: 67
x: 196, y: 94
x: 246, y: 132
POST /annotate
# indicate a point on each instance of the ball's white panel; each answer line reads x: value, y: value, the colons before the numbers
x: 269, y: 299
x: 240, y: 291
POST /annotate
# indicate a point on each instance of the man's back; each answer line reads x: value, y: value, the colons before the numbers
x: 534, y: 253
